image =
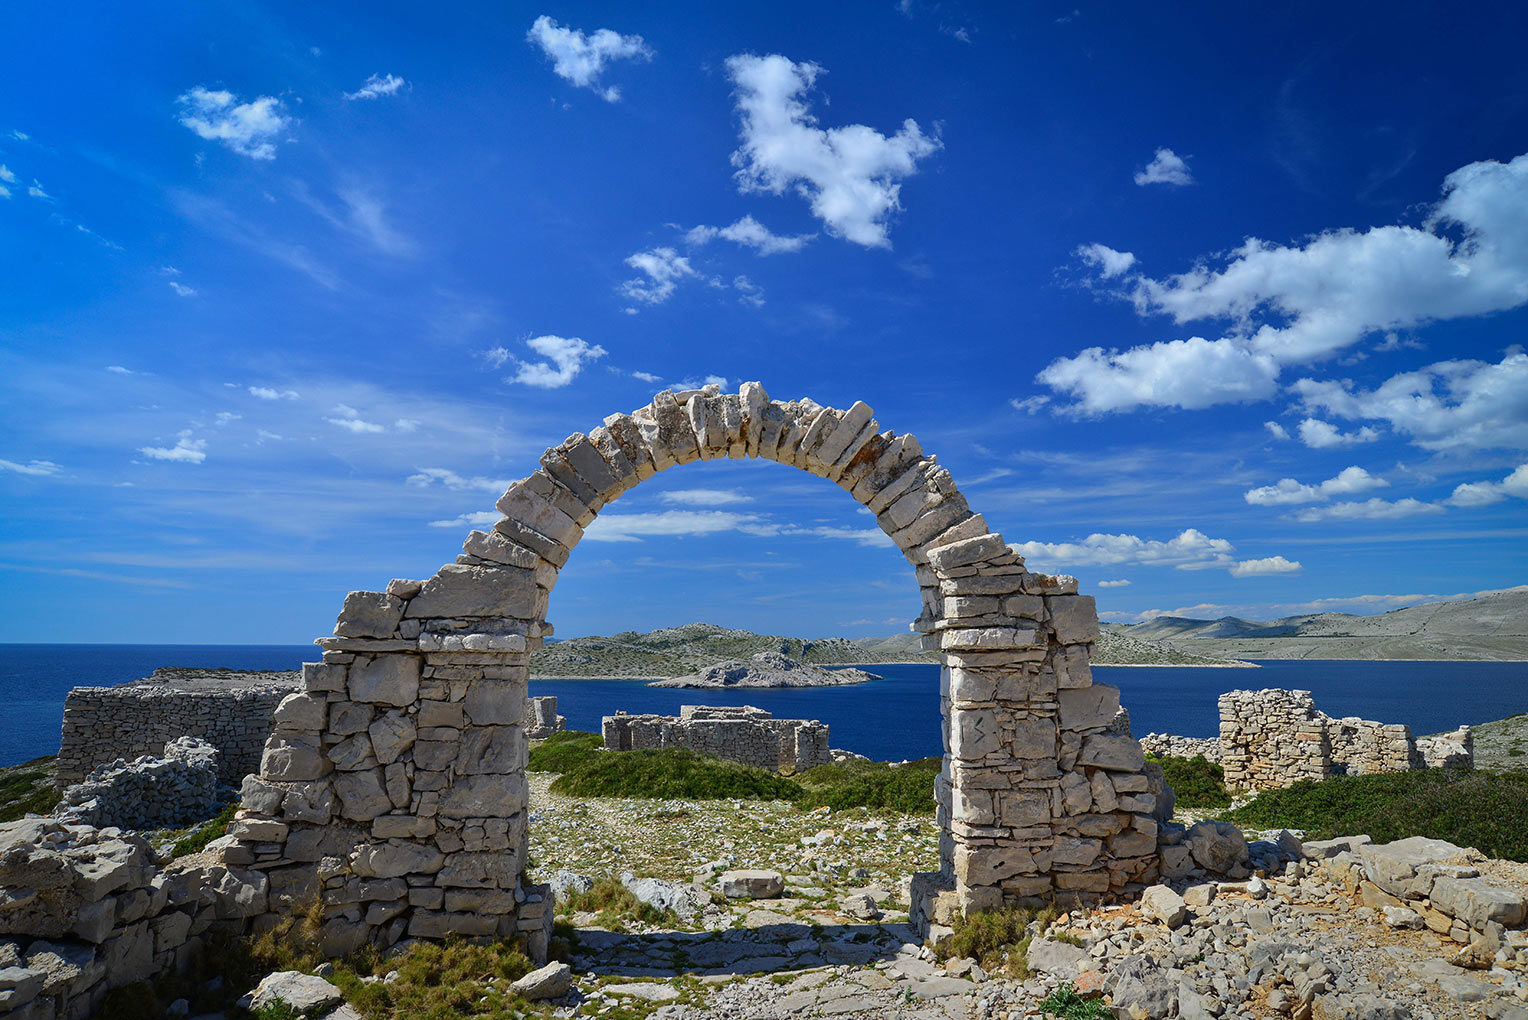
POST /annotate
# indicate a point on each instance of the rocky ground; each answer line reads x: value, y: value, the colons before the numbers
x: 1295, y: 942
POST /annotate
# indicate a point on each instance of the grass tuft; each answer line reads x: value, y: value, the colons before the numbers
x: 195, y: 841
x: 27, y: 789
x: 615, y: 904
x: 1485, y: 810
x: 1066, y: 1004
x: 672, y: 773
x: 1197, y: 782
x: 565, y: 751
x: 996, y: 938
x: 875, y: 785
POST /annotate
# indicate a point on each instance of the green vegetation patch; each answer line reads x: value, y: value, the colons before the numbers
x: 28, y: 789
x: 196, y: 839
x: 1066, y: 1004
x: 875, y: 785
x: 615, y: 904
x: 672, y: 773
x: 565, y: 751
x: 1485, y: 810
x: 996, y: 938
x: 1197, y: 781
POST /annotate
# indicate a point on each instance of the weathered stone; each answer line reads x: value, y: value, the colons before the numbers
x: 397, y: 859
x: 467, y: 591
x: 304, y: 993
x: 549, y: 982
x: 1117, y: 752
x: 495, y: 703
x: 754, y: 885
x: 362, y: 794
x: 1165, y: 905
x: 1091, y: 707
x: 1216, y: 846
x: 391, y: 735
x: 484, y: 796
x: 1476, y: 902
x: 385, y: 679
x: 289, y: 761
x: 301, y: 712
x: 491, y: 750
x: 369, y: 614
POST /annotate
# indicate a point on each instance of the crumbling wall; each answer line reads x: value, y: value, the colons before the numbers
x: 230, y: 710
x: 743, y: 734
x: 176, y: 788
x: 541, y: 718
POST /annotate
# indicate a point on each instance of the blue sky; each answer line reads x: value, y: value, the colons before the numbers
x: 1220, y: 310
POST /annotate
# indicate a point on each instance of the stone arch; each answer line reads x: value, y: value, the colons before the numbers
x: 394, y: 785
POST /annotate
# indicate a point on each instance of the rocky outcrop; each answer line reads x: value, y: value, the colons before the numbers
x: 767, y: 669
x: 743, y: 734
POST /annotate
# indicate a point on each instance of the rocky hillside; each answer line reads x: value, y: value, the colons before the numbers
x: 678, y: 651
x: 1493, y: 626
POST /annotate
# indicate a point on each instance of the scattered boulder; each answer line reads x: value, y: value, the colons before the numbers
x: 305, y: 993
x: 1217, y: 847
x: 1166, y: 906
x: 549, y: 982
x: 753, y: 885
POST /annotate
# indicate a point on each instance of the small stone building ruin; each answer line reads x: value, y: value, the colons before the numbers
x: 1274, y: 738
x: 742, y: 734
x: 541, y: 718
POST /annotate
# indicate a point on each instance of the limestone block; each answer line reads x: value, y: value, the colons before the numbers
x: 239, y: 892
x: 362, y: 795
x: 1116, y: 752
x: 1165, y: 905
x: 435, y: 755
x: 391, y: 735
x: 1398, y: 867
x: 259, y: 796
x: 1034, y: 738
x: 347, y: 717
x: 1104, y: 798
x: 323, y: 677
x: 538, y: 513
x: 463, y: 591
x: 369, y: 614
x: 397, y: 859
x: 971, y: 685
x: 1086, y: 708
x: 301, y: 712
x: 441, y: 713
x: 353, y: 753
x: 289, y: 761
x: 1216, y: 846
x: 386, y: 679
x: 495, y: 547
x: 845, y: 431
x: 970, y: 550
x: 1076, y: 851
x: 549, y: 982
x: 1074, y: 617
x: 308, y: 802
x: 491, y: 750
x: 957, y: 606
x: 1077, y: 793
x: 480, y: 871
x: 306, y: 994
x: 1072, y: 667
x: 1023, y: 808
x: 484, y: 796
x: 1132, y: 843
x: 753, y: 885
x: 973, y: 807
x: 1476, y: 902
x: 987, y: 637
x: 258, y: 830
x: 973, y: 734
x: 624, y: 433
x: 986, y: 866
x: 495, y: 703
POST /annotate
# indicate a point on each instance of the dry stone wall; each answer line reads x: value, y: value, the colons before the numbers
x: 230, y: 710
x: 542, y: 719
x: 393, y: 786
x: 179, y: 787
x: 742, y: 734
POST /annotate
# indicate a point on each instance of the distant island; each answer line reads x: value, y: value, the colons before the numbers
x: 767, y: 669
x: 672, y: 652
x: 1491, y: 627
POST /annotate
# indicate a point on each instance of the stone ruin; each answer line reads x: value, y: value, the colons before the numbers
x: 1274, y: 738
x: 392, y: 790
x: 541, y: 718
x: 178, y: 788
x: 742, y: 734
x: 229, y: 709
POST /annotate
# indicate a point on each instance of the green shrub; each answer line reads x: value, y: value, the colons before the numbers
x: 872, y: 784
x: 672, y: 773
x: 440, y: 981
x: 1065, y: 1004
x: 1197, y: 781
x: 615, y: 904
x: 994, y: 938
x: 1485, y: 810
x: 28, y: 789
x: 197, y: 839
x: 565, y: 751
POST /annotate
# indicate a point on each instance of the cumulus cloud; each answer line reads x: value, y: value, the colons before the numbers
x: 1368, y: 510
x: 426, y: 477
x: 6, y: 175
x: 1276, y: 430
x: 1300, y: 304
x: 1286, y: 491
x: 748, y: 292
x: 664, y: 268
x: 565, y: 358
x: 635, y: 527
x: 249, y: 129
x: 849, y: 175
x: 705, y: 497
x: 1166, y: 167
x: 476, y: 519
x: 1190, y: 550
x: 377, y: 86
x: 350, y: 420
x: 1106, y: 260
x: 580, y: 58
x: 35, y: 468
x: 186, y: 450
x: 1266, y: 567
x: 267, y: 393
x: 1473, y: 494
x: 1323, y: 435
x: 1449, y: 405
x: 1122, y: 583
x: 749, y: 233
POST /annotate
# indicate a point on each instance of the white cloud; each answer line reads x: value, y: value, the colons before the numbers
x: 566, y: 357
x: 646, y: 377
x: 1368, y: 510
x: 377, y: 86
x: 4, y: 191
x: 1278, y: 431
x: 498, y: 356
x: 1473, y: 494
x: 36, y: 191
x: 1266, y: 567
x: 1449, y: 405
x: 635, y: 527
x: 1323, y: 435
x: 451, y: 480
x: 1166, y: 167
x: 849, y: 175
x: 367, y: 220
x: 225, y: 417
x: 478, y: 519
x: 267, y: 393
x: 749, y: 293
x: 406, y: 425
x: 1287, y: 491
x: 263, y: 434
x: 6, y: 175
x: 750, y: 233
x: 357, y: 426
x: 1029, y: 405
x: 1110, y: 263
x: 1190, y: 550
x: 871, y: 537
x: 1292, y: 305
x: 119, y: 370
x: 705, y: 497
x: 182, y: 290
x: 35, y: 468
x: 580, y: 58
x: 1122, y: 583
x: 664, y: 268
x: 695, y: 384
x: 249, y: 128
x: 186, y: 450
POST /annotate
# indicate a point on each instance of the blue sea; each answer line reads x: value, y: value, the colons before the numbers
x: 892, y: 718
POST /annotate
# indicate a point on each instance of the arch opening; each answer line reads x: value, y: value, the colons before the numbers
x: 394, y: 786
